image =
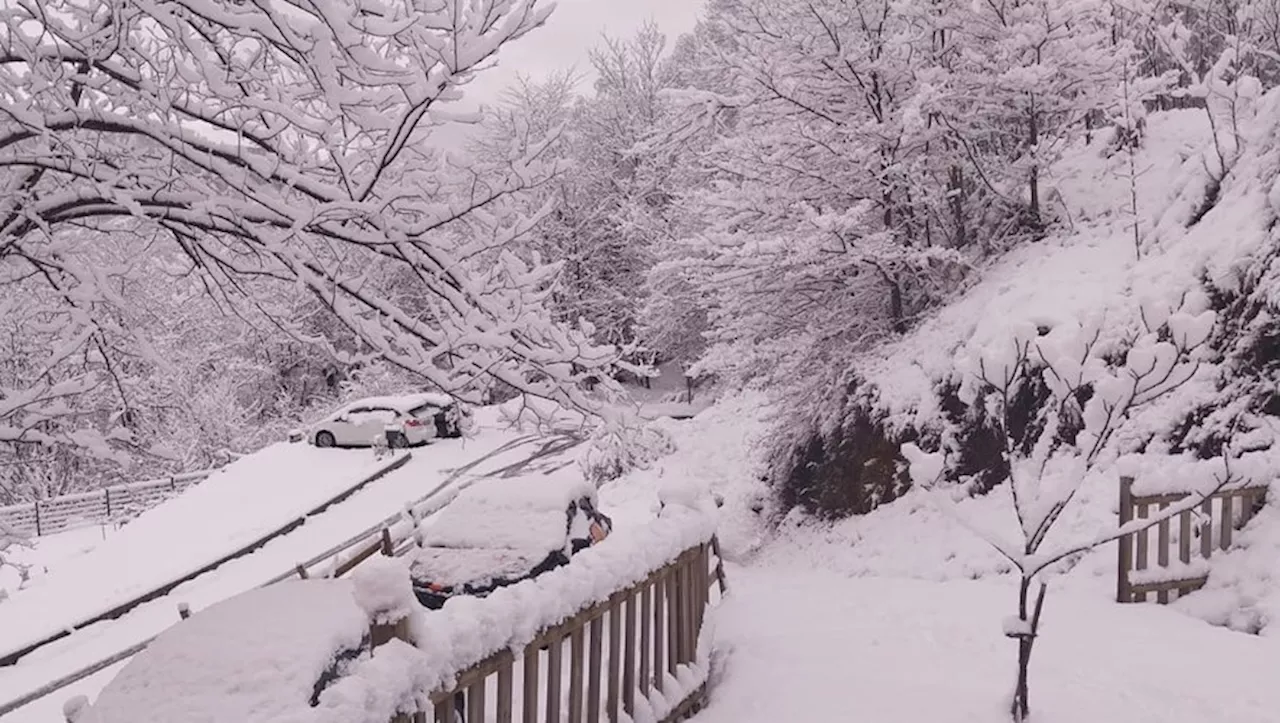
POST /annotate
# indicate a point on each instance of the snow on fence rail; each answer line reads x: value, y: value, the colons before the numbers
x: 617, y: 635
x: 1224, y: 511
x: 69, y: 512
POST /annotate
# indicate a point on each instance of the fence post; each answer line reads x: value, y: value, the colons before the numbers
x: 1124, y: 563
x: 173, y: 484
x: 107, y: 494
x: 36, y: 504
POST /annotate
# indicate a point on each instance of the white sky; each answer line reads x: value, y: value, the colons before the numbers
x: 574, y: 27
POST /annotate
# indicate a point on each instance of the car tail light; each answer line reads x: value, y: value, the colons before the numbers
x: 413, y: 422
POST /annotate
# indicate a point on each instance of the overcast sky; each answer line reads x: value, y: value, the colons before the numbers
x: 575, y: 27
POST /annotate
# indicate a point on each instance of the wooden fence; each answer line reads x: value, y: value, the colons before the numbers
x: 68, y: 512
x: 1194, y: 534
x: 602, y: 663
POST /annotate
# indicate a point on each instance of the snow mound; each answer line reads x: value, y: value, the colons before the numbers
x: 253, y: 658
x: 383, y: 590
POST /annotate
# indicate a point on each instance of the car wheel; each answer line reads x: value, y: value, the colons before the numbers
x: 397, y: 441
x: 325, y: 439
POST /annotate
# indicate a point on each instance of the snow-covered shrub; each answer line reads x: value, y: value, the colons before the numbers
x: 10, y: 542
x: 617, y: 448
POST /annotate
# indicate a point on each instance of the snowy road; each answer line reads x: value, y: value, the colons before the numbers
x: 796, y: 645
x: 447, y: 465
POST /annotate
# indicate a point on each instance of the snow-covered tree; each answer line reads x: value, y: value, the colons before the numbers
x: 1090, y: 402
x: 275, y: 147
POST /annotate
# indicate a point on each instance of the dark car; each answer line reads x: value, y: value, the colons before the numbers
x: 499, y: 532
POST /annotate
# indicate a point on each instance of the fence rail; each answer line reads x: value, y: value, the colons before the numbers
x: 633, y: 649
x: 69, y: 512
x: 1194, y: 534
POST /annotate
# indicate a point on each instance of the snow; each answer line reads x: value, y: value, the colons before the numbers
x: 47, y: 552
x: 444, y: 566
x: 468, y: 630
x: 382, y: 590
x: 799, y: 644
x: 247, y: 659
x: 527, y: 515
x: 439, y: 471
x: 279, y: 484
x: 403, y: 403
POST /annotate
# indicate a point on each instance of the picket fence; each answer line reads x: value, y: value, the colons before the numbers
x: 69, y: 512
x: 1192, y: 535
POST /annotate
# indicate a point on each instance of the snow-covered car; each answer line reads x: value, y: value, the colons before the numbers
x: 257, y: 656
x: 500, y: 531
x: 404, y: 421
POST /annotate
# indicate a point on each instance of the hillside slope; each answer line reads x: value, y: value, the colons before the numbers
x: 1208, y: 240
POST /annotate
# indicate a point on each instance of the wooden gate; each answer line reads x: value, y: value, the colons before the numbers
x: 1195, y: 534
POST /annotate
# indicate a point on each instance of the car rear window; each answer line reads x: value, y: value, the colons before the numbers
x: 426, y: 411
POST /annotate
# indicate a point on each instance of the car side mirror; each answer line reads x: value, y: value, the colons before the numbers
x: 341, y: 418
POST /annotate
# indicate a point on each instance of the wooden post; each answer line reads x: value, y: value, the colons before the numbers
x: 38, y: 530
x: 1228, y: 506
x: 505, y: 685
x: 1142, y: 552
x: 1162, y: 553
x: 1206, y: 530
x: 659, y: 634
x: 1124, y: 563
x: 302, y: 571
x: 673, y: 623
x: 529, y: 702
x: 629, y: 657
x: 184, y: 610
x: 107, y: 495
x: 388, y: 549
x: 646, y: 637
x: 576, y: 668
x: 595, y: 668
x: 475, y: 701
x: 1184, y: 537
x: 555, y: 667
x: 715, y: 547
x: 614, y: 687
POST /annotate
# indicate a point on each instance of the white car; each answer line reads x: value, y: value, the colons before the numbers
x: 403, y: 421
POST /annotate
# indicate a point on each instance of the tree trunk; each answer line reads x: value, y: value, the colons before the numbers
x: 1020, y: 708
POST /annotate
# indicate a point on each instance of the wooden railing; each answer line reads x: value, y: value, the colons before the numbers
x: 606, y: 661
x: 1138, y: 575
x: 69, y: 512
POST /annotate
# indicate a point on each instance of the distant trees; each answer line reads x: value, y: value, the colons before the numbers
x: 260, y: 151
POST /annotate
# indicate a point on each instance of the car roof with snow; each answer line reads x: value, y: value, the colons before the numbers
x: 524, y: 513
x: 402, y: 402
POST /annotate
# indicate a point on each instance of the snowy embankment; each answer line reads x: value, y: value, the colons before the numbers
x: 1088, y: 273
x: 235, y: 507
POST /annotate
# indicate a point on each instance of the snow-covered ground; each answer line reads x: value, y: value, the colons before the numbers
x: 494, y: 450
x: 797, y: 644
x: 233, y: 508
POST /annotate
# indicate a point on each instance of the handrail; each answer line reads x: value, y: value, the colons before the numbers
x: 615, y: 652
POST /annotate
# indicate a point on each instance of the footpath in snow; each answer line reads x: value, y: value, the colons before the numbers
x: 805, y: 645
